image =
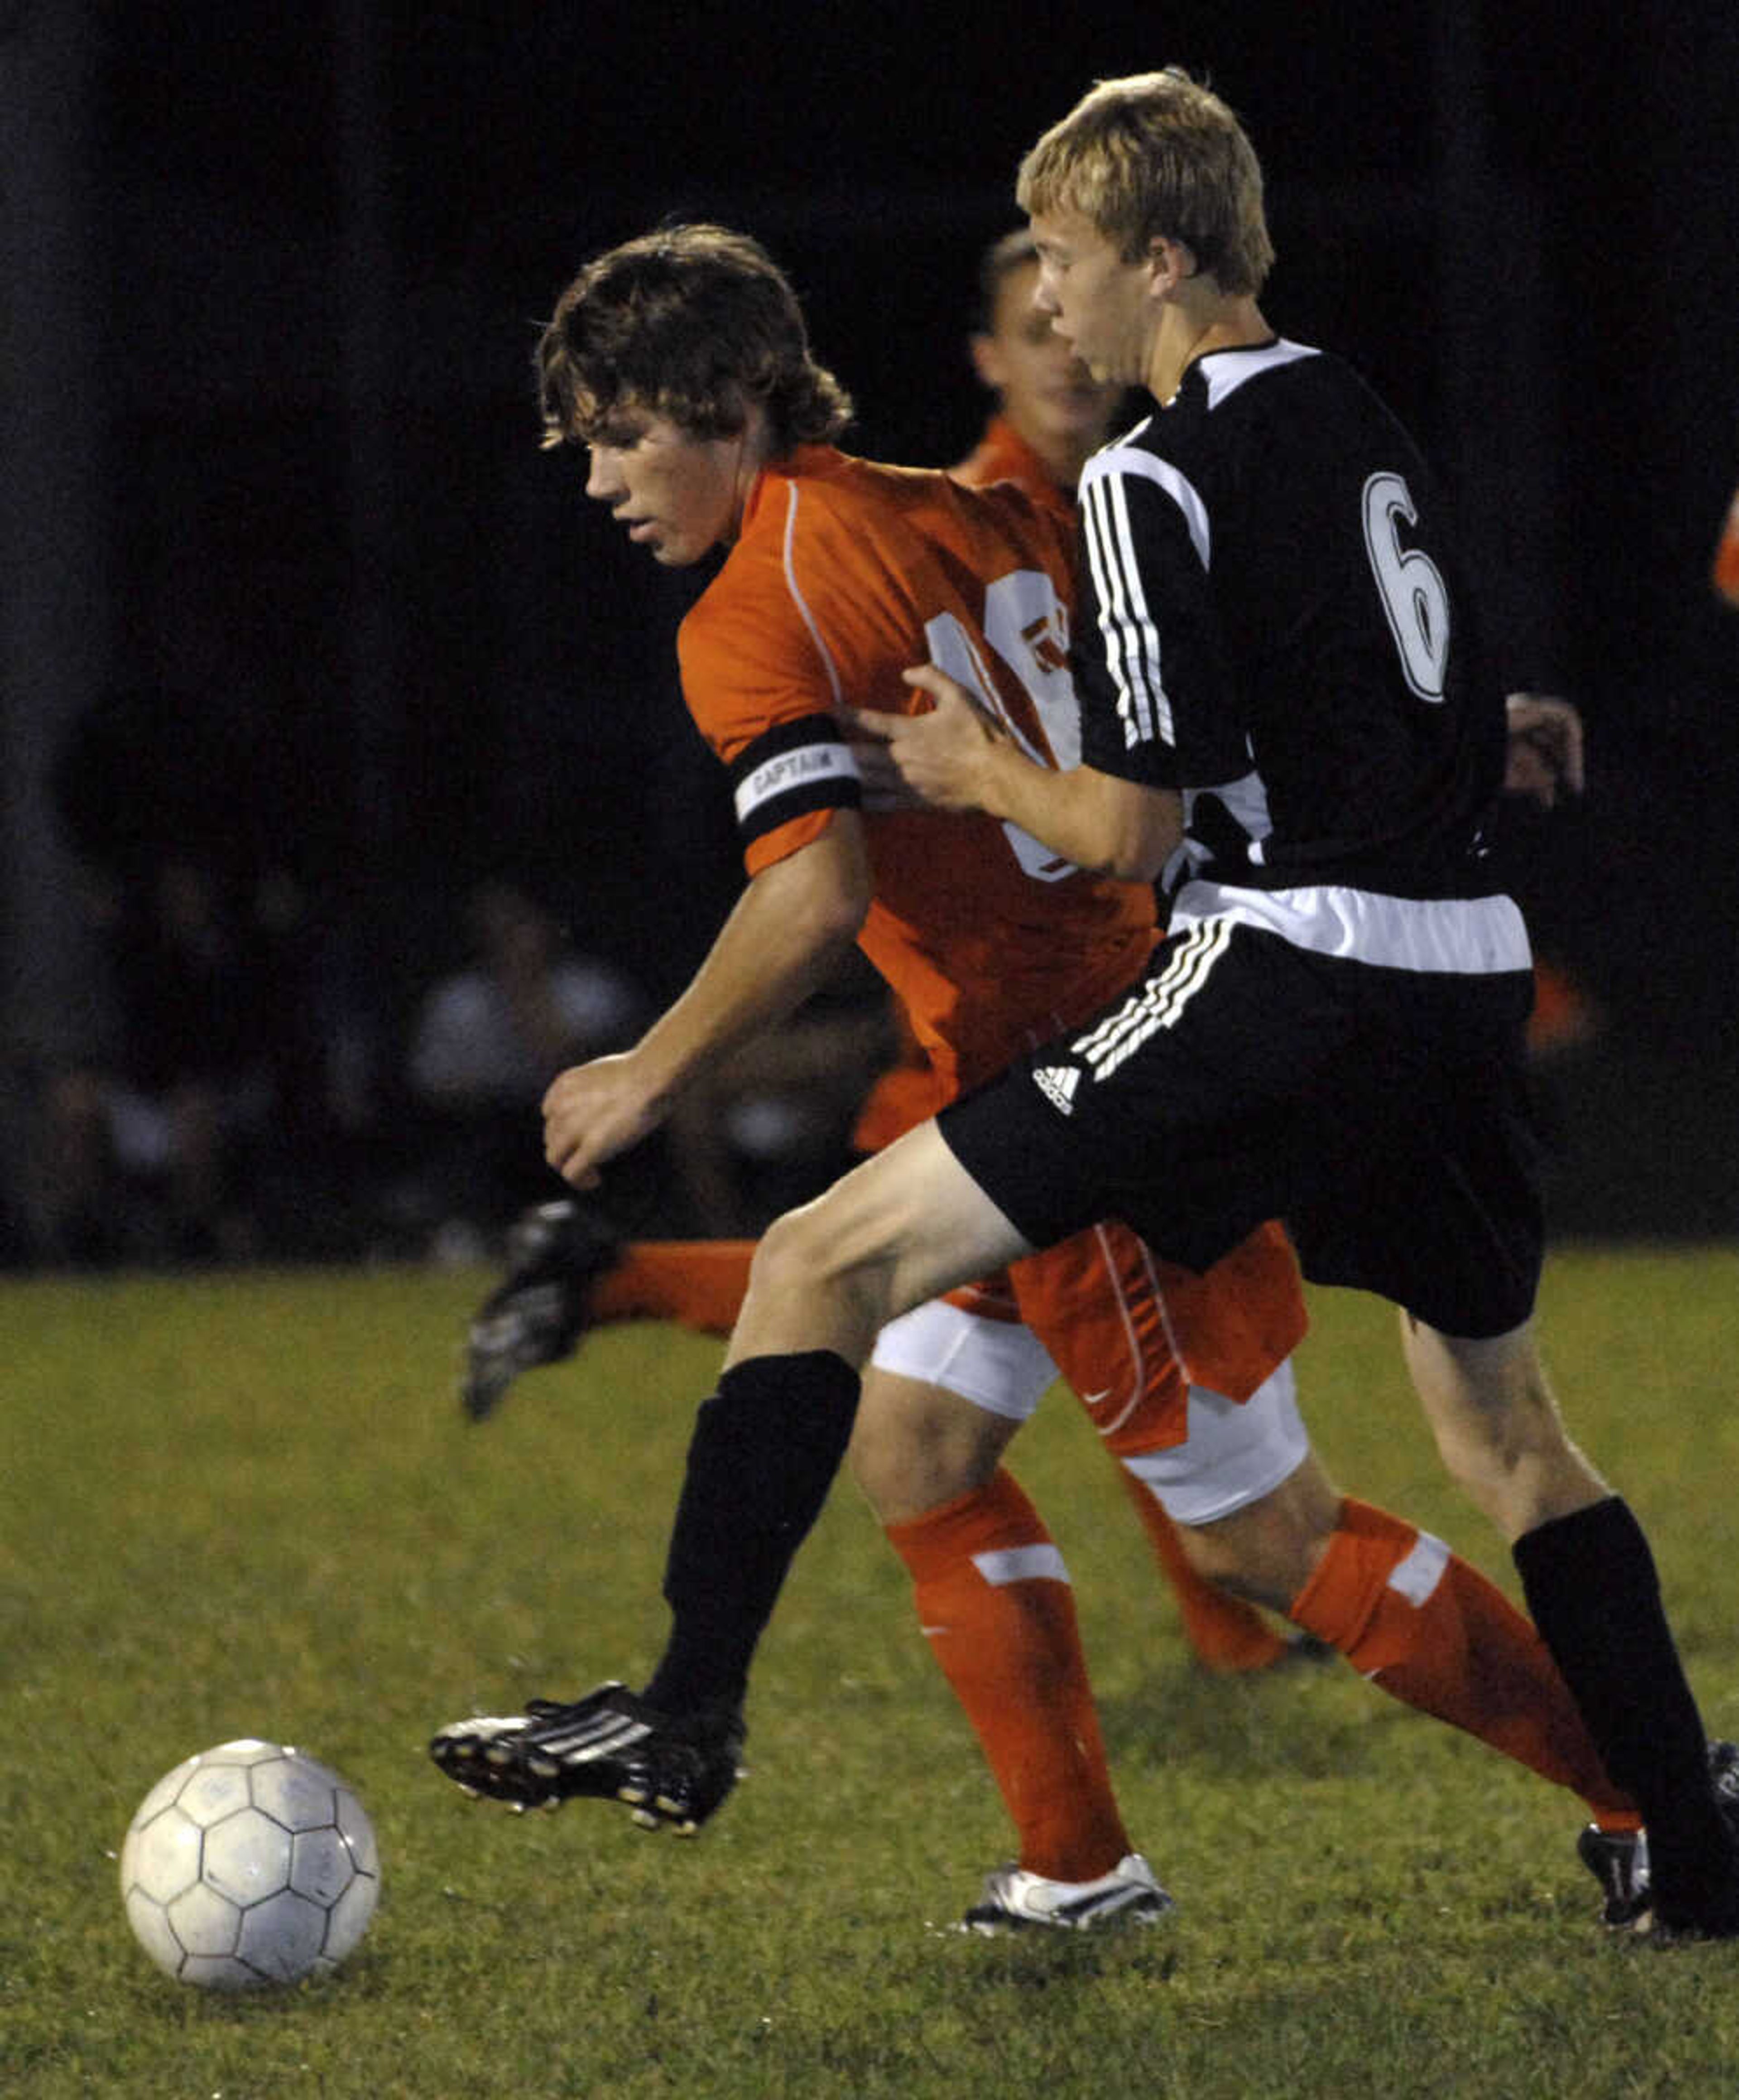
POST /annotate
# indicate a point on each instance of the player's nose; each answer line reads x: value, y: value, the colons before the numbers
x: 603, y: 481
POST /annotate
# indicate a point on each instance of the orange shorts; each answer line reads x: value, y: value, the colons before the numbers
x: 1131, y: 1334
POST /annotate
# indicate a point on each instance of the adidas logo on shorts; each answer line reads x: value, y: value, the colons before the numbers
x: 1058, y: 1082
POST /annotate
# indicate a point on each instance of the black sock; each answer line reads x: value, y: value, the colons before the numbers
x: 1591, y: 1588
x: 765, y: 1449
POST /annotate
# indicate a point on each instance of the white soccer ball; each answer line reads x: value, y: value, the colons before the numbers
x: 250, y: 1864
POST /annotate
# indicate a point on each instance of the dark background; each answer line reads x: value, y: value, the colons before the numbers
x: 275, y: 278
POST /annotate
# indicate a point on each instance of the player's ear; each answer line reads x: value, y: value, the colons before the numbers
x: 987, y: 360
x: 1170, y: 262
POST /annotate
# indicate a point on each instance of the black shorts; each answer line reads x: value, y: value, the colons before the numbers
x: 1381, y: 1114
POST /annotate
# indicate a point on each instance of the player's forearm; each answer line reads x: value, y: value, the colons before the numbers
x: 1109, y: 825
x: 785, y: 937
x: 746, y: 987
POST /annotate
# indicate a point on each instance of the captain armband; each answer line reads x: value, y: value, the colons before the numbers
x: 795, y: 768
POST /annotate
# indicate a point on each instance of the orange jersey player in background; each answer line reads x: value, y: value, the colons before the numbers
x: 1724, y: 571
x: 1051, y: 415
x: 681, y: 362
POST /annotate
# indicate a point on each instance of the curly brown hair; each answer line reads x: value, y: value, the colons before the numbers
x: 693, y: 323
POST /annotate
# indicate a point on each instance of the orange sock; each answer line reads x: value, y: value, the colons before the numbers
x: 993, y: 1598
x: 1427, y: 1627
x: 700, y: 1282
x: 1226, y: 1634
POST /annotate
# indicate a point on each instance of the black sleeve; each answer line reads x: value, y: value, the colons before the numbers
x: 1155, y: 701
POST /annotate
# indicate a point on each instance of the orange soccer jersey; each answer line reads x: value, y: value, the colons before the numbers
x: 1002, y: 454
x: 909, y: 1090
x: 846, y: 573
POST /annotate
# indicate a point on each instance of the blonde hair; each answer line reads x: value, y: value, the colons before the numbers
x: 1157, y: 154
x: 693, y: 323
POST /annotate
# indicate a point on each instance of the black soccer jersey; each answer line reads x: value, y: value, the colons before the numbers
x: 1274, y: 622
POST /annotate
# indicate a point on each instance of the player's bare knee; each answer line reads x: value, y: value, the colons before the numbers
x: 1267, y: 1567
x: 803, y: 1259
x: 914, y: 1447
x: 1269, y: 1550
x: 1497, y: 1425
x: 1486, y: 1443
x: 791, y: 1255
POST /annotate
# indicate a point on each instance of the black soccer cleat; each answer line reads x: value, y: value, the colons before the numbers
x: 538, y: 1311
x: 1723, y: 1777
x: 674, y: 1771
x: 1619, y: 1861
x: 1719, y: 1919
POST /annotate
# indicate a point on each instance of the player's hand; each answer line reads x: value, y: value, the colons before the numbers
x: 593, y: 1111
x: 940, y: 754
x: 878, y: 776
x: 1545, y: 757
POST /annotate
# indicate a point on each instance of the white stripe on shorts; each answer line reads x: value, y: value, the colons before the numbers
x: 1159, y: 1003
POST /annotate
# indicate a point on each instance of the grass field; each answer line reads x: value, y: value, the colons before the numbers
x: 248, y: 1504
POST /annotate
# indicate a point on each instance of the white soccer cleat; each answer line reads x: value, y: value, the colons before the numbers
x: 1014, y: 1900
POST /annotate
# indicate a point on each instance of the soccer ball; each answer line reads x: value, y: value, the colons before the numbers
x: 250, y: 1864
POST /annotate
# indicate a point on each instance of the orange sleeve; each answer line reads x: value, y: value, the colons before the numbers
x: 763, y: 694
x: 790, y: 837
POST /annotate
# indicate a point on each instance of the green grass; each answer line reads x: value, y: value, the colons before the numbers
x: 247, y: 1505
